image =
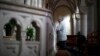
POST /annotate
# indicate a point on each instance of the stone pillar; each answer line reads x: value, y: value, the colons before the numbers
x: 74, y: 22
x: 92, y: 16
x: 40, y: 3
x: 84, y: 24
x: 72, y: 25
x: 77, y: 22
x: 77, y: 17
x: 28, y: 2
x: 23, y: 44
x: 33, y: 2
x: 43, y: 3
x: 36, y: 3
x: 83, y: 14
x: 77, y: 25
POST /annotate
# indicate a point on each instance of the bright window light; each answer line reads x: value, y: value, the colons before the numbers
x: 67, y: 24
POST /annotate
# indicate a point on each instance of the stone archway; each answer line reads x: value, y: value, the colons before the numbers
x: 12, y: 29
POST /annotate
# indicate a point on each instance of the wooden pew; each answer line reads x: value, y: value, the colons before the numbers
x: 92, y: 43
x: 72, y: 40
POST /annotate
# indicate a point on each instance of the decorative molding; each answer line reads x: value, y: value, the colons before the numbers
x: 24, y: 16
x: 12, y: 48
x: 34, y: 49
x: 25, y: 6
x: 24, y: 9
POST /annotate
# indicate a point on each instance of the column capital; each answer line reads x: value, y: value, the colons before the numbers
x: 77, y: 19
x: 83, y: 9
x: 76, y: 16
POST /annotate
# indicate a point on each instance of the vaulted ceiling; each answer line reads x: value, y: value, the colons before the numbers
x: 70, y: 4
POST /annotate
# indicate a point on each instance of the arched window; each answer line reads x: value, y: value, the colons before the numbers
x: 31, y: 33
x: 34, y: 24
x: 12, y: 29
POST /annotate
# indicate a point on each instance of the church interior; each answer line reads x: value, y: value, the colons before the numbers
x: 28, y: 27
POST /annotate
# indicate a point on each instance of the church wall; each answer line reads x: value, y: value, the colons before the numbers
x: 24, y: 21
x: 91, y: 17
x: 24, y: 16
x: 32, y: 3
